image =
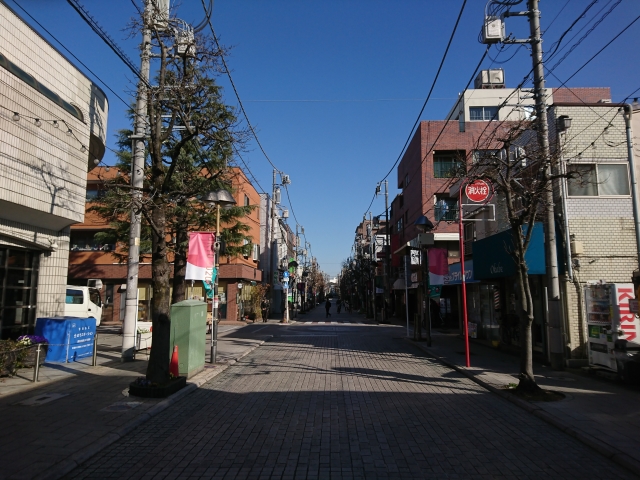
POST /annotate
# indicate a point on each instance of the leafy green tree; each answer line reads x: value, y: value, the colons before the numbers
x: 192, y: 135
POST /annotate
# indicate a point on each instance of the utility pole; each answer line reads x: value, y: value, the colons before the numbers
x: 372, y: 268
x: 493, y: 32
x: 555, y: 334
x: 272, y: 243
x: 137, y: 182
x: 387, y: 256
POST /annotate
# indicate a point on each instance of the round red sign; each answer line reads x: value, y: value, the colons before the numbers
x: 478, y: 191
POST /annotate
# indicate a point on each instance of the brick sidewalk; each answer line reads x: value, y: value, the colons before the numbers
x: 600, y: 413
x: 345, y: 401
x: 76, y: 409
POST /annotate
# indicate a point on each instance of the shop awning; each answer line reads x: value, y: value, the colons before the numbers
x: 492, y: 257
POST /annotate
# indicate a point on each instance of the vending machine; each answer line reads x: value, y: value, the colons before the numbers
x: 609, y: 319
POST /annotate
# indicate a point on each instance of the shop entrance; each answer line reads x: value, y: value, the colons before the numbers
x: 19, y: 273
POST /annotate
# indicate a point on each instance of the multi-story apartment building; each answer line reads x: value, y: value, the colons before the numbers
x: 440, y: 148
x: 89, y: 260
x: 596, y: 238
x: 53, y: 122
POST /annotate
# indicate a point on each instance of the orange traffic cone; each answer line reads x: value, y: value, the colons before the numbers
x: 173, y: 365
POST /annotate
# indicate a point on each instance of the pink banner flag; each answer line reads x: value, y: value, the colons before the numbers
x: 438, y: 265
x: 200, y: 256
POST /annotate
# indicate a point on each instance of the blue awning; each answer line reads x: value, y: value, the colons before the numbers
x: 493, y: 258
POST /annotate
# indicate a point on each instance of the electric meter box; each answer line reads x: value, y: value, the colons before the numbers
x: 492, y: 30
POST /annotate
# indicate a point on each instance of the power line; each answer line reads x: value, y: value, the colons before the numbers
x: 602, y: 49
x: 593, y: 27
x: 244, y: 112
x: 74, y: 56
x: 286, y: 189
x: 558, y: 42
x: 89, y: 20
x: 249, y: 170
x: 235, y: 90
x: 433, y: 84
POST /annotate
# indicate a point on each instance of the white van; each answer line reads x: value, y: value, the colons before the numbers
x: 83, y: 302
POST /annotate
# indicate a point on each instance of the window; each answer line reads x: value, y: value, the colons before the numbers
x: 483, y: 155
x: 74, y: 297
x: 84, y: 241
x: 94, y: 296
x: 399, y: 225
x: 446, y: 208
x: 35, y: 84
x: 483, y: 113
x: 445, y: 164
x: 94, y: 194
x: 592, y: 180
x: 246, y: 201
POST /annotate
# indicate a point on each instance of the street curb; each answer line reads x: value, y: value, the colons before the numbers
x: 601, y: 447
x: 78, y: 458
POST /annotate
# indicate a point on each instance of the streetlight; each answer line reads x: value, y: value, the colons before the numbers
x: 219, y: 198
x: 424, y: 226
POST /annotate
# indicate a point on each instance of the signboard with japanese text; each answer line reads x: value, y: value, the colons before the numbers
x: 478, y: 191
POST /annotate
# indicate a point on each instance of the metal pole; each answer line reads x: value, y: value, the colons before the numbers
x: 214, y: 307
x: 137, y: 182
x: 272, y: 242
x: 555, y: 335
x: 406, y: 301
x: 94, y: 360
x: 387, y: 255
x: 465, y: 322
x: 627, y: 113
x: 373, y: 277
x: 36, y: 367
x: 428, y: 294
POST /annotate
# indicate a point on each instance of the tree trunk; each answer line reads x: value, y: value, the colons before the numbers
x: 527, y: 381
x: 158, y: 368
x: 179, y: 267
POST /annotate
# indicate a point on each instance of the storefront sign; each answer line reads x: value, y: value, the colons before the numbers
x: 454, y: 277
x: 477, y: 191
x: 473, y: 330
x: 627, y: 318
x: 492, y: 255
x: 407, y: 269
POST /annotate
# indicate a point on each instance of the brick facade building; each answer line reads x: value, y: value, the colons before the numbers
x: 90, y: 260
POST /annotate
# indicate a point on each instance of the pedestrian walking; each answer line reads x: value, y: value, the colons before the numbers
x: 264, y: 308
x: 327, y: 307
x: 339, y: 305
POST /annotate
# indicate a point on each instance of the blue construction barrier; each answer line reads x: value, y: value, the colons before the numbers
x: 70, y: 338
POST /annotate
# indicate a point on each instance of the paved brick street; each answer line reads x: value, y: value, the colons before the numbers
x: 344, y: 401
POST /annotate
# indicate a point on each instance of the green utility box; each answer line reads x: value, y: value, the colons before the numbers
x: 188, y: 332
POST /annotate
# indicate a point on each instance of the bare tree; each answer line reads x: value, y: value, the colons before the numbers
x: 518, y: 173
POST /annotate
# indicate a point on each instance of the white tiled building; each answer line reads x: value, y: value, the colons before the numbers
x: 596, y: 211
x: 52, y: 130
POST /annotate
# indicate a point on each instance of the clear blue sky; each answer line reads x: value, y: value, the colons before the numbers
x: 333, y: 87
